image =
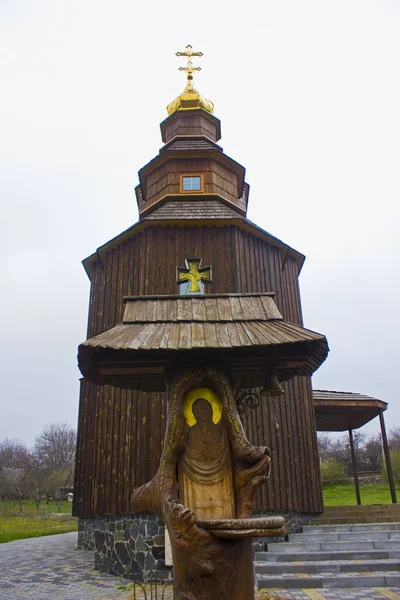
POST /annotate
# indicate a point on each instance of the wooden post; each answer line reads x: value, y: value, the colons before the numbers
x: 387, y: 457
x: 355, y: 472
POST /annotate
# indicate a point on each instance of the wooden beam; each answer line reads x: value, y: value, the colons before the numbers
x: 387, y: 457
x: 355, y: 472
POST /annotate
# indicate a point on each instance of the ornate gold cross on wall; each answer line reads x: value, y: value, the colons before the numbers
x: 189, y: 67
x: 193, y: 273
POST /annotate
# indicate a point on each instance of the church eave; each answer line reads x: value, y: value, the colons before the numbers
x: 190, y: 198
x: 206, y: 206
x: 190, y: 142
x: 241, y: 222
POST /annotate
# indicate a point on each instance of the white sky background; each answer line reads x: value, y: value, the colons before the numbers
x: 308, y: 93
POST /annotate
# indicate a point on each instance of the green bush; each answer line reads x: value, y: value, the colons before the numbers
x: 332, y: 471
x: 395, y: 461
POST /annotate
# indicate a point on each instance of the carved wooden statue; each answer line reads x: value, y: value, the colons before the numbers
x: 205, y: 468
x: 205, y: 489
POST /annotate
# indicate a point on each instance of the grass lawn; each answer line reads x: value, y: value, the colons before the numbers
x: 345, y: 495
x: 29, y: 507
x: 48, y: 521
x: 31, y: 523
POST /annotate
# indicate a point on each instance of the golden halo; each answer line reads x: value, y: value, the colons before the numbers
x: 211, y: 397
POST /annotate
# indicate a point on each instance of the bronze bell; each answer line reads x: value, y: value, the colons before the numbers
x: 272, y: 386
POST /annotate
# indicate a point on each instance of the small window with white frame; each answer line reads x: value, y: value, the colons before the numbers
x: 191, y: 183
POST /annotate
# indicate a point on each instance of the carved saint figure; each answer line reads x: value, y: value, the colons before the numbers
x: 205, y: 468
x: 205, y: 490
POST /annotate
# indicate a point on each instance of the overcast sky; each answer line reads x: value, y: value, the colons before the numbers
x: 308, y: 93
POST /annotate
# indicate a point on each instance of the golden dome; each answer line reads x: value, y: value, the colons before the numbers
x: 190, y: 97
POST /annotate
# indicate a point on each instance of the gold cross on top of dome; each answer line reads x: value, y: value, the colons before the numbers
x: 189, y: 67
x: 190, y: 97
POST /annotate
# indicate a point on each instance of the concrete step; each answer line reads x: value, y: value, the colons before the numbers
x: 333, y: 556
x: 333, y: 546
x: 348, y: 555
x: 329, y: 580
x: 338, y: 536
x: 361, y: 527
x: 326, y: 566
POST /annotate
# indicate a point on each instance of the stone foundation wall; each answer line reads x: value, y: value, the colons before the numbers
x: 133, y: 546
x: 368, y: 480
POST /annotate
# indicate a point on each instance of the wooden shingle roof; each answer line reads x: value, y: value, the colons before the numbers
x: 183, y: 335
x: 192, y: 209
x: 179, y: 144
x: 341, y: 411
x: 333, y: 396
x: 226, y: 327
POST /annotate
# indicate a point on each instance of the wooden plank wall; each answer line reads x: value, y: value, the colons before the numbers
x: 166, y: 179
x: 117, y: 448
x: 121, y: 431
x: 196, y: 125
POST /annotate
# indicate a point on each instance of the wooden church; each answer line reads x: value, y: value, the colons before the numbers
x: 193, y: 278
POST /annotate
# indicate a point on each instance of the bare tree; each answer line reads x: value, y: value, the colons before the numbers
x: 13, y: 454
x: 37, y: 476
x: 12, y: 485
x: 341, y: 451
x: 58, y: 482
x: 372, y: 454
x: 55, y: 447
x: 325, y: 443
x: 368, y: 450
x: 394, y: 438
x: 55, y: 453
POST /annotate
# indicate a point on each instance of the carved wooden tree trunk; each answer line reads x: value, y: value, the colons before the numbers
x: 205, y: 567
x: 212, y: 557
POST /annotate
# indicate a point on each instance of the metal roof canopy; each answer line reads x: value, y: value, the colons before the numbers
x: 342, y: 411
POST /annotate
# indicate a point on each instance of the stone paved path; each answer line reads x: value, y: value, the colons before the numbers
x: 49, y: 568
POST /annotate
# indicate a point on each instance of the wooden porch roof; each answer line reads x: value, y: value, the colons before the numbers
x: 341, y: 411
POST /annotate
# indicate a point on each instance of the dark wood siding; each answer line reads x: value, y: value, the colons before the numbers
x: 185, y: 124
x: 121, y: 432
x: 166, y: 179
x: 120, y: 441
